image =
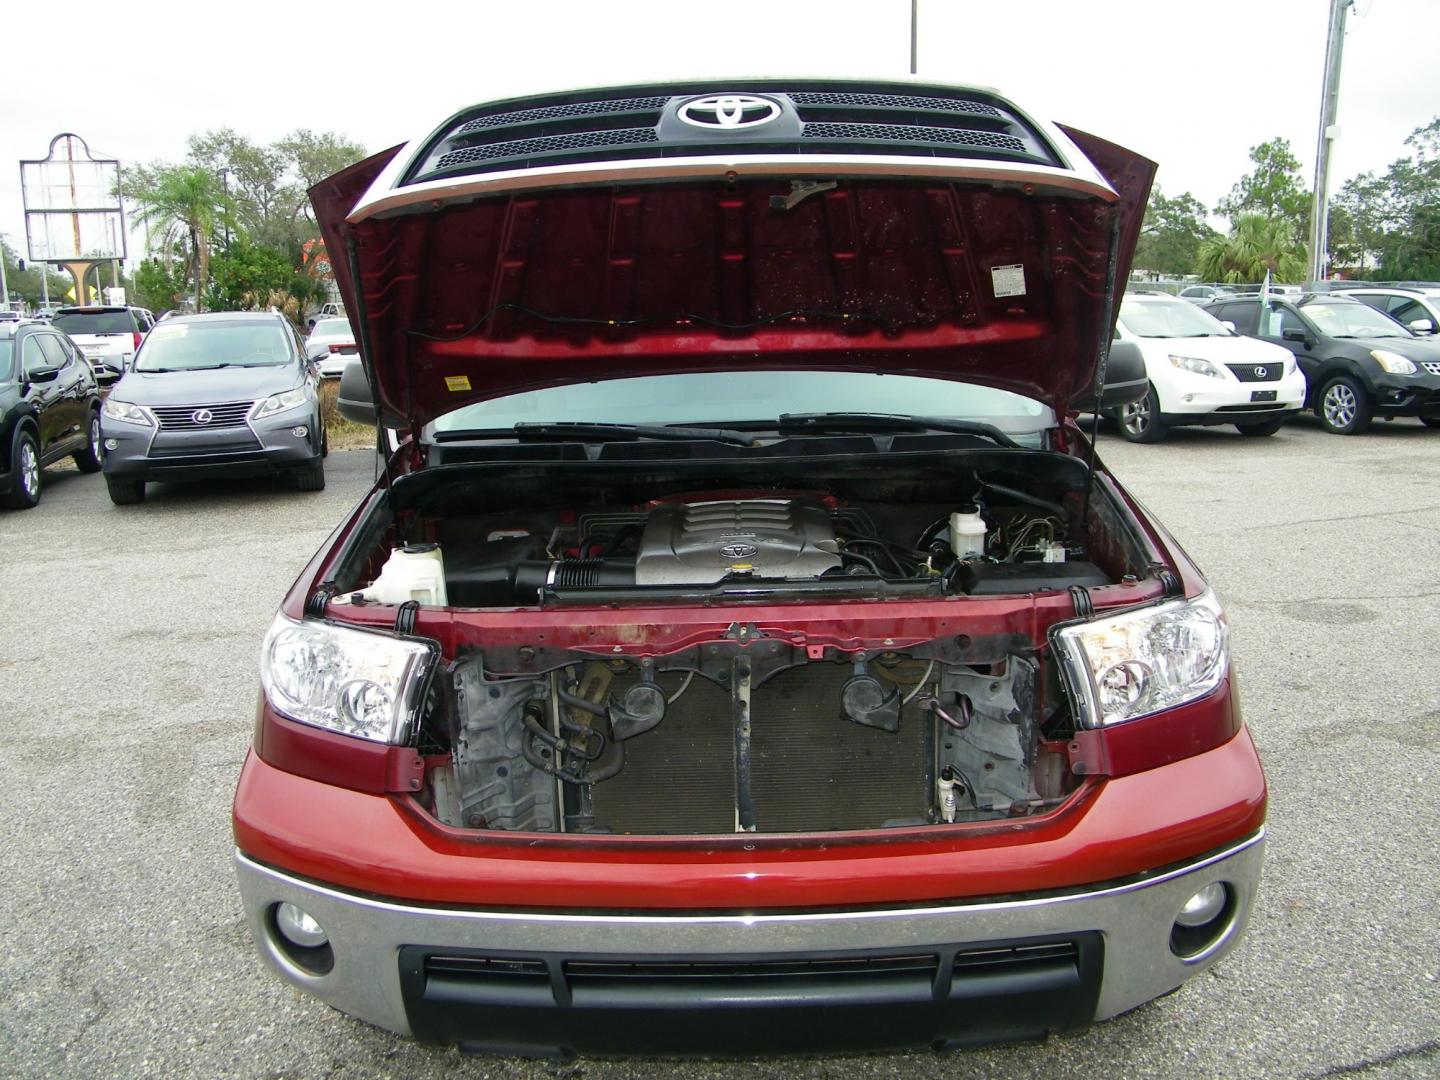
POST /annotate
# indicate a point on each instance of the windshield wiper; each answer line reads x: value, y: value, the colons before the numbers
x: 794, y: 423
x: 565, y: 429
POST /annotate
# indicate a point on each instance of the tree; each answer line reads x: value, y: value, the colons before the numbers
x: 1171, y: 235
x: 27, y: 282
x: 1274, y: 189
x: 1256, y: 244
x: 183, y: 203
x: 1396, y: 217
x: 160, y: 285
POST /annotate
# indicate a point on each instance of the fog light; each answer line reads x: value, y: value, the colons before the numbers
x: 299, y: 926
x: 1204, y: 906
x: 300, y: 432
x: 112, y: 444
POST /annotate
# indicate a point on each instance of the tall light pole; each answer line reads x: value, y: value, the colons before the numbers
x: 1329, y: 100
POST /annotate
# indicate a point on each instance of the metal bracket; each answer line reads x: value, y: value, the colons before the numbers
x: 740, y: 716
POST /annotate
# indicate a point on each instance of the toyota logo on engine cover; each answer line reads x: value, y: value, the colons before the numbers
x: 739, y: 551
x: 202, y: 416
x: 729, y: 111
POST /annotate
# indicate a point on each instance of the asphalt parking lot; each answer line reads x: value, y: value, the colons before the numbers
x: 130, y: 672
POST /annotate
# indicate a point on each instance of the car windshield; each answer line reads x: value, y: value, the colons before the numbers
x: 331, y: 330
x: 95, y: 322
x: 187, y: 346
x: 1352, y: 319
x: 1168, y: 319
x: 733, y: 397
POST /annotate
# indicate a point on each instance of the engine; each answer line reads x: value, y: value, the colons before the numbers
x: 704, y: 542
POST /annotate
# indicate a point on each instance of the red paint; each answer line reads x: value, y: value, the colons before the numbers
x: 385, y: 846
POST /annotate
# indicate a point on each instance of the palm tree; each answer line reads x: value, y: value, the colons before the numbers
x: 1256, y: 244
x: 184, y: 203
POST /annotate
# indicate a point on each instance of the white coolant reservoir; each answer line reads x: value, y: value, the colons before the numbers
x: 967, y: 533
x: 413, y: 572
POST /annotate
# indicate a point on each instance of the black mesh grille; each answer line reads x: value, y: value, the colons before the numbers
x: 549, y: 144
x: 894, y: 101
x: 912, y: 134
x: 572, y: 111
x: 1257, y: 372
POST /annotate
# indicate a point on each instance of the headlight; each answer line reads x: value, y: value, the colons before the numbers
x: 1129, y: 665
x: 290, y: 399
x: 356, y: 682
x: 1393, y: 362
x: 131, y: 414
x: 1198, y: 366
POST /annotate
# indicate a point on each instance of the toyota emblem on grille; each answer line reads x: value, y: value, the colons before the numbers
x: 729, y: 111
x: 1260, y: 373
x: 202, y: 416
x: 738, y: 551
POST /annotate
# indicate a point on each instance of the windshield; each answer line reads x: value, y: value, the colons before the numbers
x: 1169, y: 319
x: 331, y: 330
x: 1352, y: 319
x: 732, y: 397
x: 183, y: 346
x: 95, y: 322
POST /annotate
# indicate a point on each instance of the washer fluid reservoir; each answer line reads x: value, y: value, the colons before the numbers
x: 413, y: 572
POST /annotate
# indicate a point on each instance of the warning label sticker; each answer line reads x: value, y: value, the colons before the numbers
x: 459, y: 382
x: 1008, y: 280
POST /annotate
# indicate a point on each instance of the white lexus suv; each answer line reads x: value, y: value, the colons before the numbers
x: 1202, y: 372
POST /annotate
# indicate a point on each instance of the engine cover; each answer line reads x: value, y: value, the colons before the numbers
x: 704, y: 542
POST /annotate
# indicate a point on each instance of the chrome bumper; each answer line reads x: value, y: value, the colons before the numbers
x: 1135, y: 920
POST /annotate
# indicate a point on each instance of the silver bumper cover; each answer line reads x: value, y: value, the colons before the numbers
x: 1135, y: 920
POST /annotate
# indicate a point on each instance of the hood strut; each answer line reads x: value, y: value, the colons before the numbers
x: 1107, y: 322
x: 362, y: 323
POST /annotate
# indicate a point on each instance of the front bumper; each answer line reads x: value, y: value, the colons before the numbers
x: 259, y: 448
x: 1199, y: 399
x: 1418, y: 395
x: 556, y: 982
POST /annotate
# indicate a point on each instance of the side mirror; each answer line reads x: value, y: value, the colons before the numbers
x: 1228, y: 325
x: 1422, y: 326
x: 1125, y: 378
x: 42, y: 374
x: 353, y: 398
x: 1294, y: 333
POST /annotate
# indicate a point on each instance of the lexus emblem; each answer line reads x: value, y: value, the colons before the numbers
x: 738, y: 551
x: 1260, y: 373
x: 729, y: 111
x: 202, y: 416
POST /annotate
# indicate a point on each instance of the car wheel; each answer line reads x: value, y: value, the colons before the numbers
x: 88, y: 460
x: 311, y: 478
x: 1344, y: 408
x: 25, y: 453
x: 125, y: 490
x: 1140, y: 420
x: 1260, y: 429
x: 324, y: 440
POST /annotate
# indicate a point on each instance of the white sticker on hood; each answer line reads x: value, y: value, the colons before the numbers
x: 1008, y: 280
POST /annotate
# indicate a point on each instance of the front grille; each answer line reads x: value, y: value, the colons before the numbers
x: 925, y: 995
x: 643, y: 123
x: 182, y: 417
x: 1432, y: 367
x: 1253, y: 372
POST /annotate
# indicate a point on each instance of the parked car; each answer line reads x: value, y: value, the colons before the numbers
x: 222, y: 394
x: 1203, y: 294
x: 1418, y: 309
x: 49, y: 409
x: 331, y: 345
x: 741, y: 652
x: 1358, y: 363
x: 1202, y: 373
x: 327, y: 311
x: 108, y: 336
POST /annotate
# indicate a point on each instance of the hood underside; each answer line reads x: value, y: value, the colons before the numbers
x: 899, y: 271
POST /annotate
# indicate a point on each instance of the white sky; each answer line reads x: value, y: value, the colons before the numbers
x: 1191, y: 84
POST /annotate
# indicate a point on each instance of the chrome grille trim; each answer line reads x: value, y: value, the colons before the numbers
x: 226, y: 414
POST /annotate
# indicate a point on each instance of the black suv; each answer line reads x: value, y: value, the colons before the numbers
x: 49, y: 409
x: 1358, y: 363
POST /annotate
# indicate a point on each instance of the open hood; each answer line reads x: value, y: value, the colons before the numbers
x: 469, y: 280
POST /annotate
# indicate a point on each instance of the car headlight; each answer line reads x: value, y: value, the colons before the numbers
x: 1198, y: 366
x: 1393, y: 362
x: 131, y: 414
x: 356, y: 682
x: 1125, y: 666
x: 275, y: 403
